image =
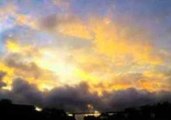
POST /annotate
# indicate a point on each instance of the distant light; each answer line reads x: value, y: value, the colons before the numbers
x: 38, y: 109
x: 69, y: 114
x: 97, y: 113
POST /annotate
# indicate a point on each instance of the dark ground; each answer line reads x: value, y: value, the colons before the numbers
x: 161, y: 111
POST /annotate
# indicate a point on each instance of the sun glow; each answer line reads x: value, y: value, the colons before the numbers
x: 58, y: 64
x: 101, y: 54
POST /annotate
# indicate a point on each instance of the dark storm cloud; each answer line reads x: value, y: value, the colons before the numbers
x: 130, y: 98
x: 77, y: 98
x: 72, y: 98
x: 25, y: 93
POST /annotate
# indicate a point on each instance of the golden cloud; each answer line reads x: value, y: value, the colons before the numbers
x: 117, y: 58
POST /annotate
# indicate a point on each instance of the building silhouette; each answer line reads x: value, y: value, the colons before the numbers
x: 8, y: 110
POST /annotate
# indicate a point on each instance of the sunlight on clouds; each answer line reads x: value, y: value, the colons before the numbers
x: 19, y: 64
x: 12, y: 46
x: 116, y: 59
x: 113, y: 42
x: 110, y: 41
x: 110, y: 55
x: 9, y: 74
x: 26, y: 20
x: 57, y: 63
x: 75, y: 30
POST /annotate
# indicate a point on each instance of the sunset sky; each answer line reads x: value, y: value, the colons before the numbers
x: 85, y: 54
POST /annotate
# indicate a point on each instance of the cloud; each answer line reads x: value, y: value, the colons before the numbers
x: 2, y: 75
x: 78, y: 98
x: 112, y: 60
x: 117, y: 37
x: 19, y: 62
x: 61, y: 97
x: 69, y: 25
x: 25, y: 93
x: 101, y: 60
x: 72, y: 98
x: 62, y: 3
x: 130, y: 98
x: 10, y: 17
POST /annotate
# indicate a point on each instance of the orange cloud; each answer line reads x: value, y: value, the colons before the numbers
x: 111, y: 62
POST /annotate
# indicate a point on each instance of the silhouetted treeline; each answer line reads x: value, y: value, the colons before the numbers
x: 28, y: 112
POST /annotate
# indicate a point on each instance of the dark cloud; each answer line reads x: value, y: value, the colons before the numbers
x: 24, y: 68
x: 25, y: 93
x: 130, y: 98
x: 2, y: 75
x: 2, y: 84
x: 77, y: 98
x: 16, y: 61
x: 51, y: 22
x: 72, y: 98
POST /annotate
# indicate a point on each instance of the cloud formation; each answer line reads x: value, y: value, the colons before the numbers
x: 111, y: 45
x: 78, y: 98
x: 94, y: 51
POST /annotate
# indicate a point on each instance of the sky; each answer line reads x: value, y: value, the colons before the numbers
x: 84, y: 55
